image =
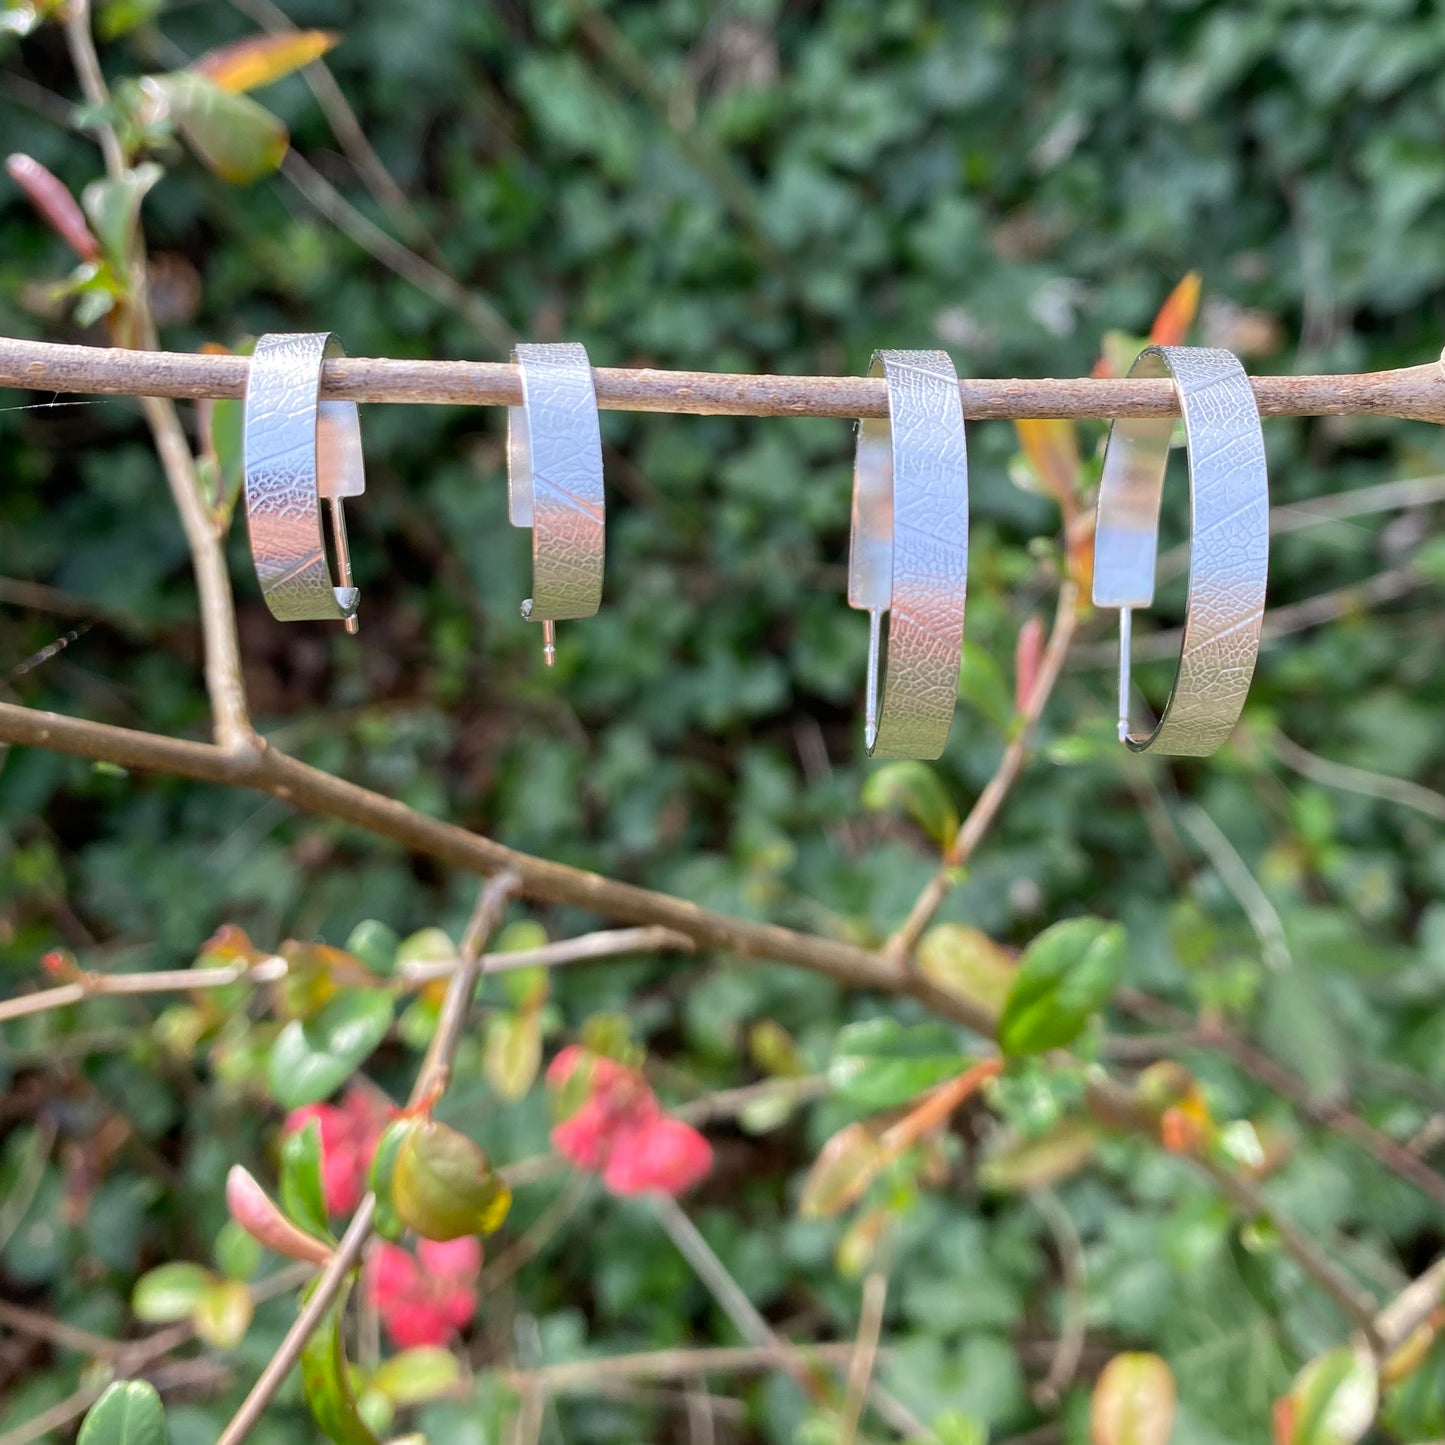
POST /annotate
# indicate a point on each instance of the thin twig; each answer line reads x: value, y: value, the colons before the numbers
x: 582, y: 1375
x: 1073, y: 1323
x: 1416, y: 392
x: 135, y: 327
x: 980, y: 817
x: 607, y: 944
x: 1359, y: 780
x: 1235, y: 875
x: 1411, y: 1308
x: 865, y: 1354
x: 431, y: 1080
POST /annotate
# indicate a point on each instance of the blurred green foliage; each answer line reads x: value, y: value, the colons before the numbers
x: 779, y: 187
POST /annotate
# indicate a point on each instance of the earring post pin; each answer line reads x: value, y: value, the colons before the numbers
x: 1126, y: 631
x: 870, y: 711
x: 343, y: 555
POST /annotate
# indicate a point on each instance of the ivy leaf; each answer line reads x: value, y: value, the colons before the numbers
x: 311, y: 1060
x: 262, y: 59
x: 1065, y: 976
x: 128, y: 1413
x: 169, y: 1292
x: 302, y: 1193
x: 883, y: 1064
x: 916, y: 788
x: 326, y: 1382
x: 232, y: 136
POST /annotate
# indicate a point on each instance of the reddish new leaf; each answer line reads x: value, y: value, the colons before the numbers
x: 50, y: 197
x: 261, y: 59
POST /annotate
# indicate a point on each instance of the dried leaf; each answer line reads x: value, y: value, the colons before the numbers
x: 1052, y: 449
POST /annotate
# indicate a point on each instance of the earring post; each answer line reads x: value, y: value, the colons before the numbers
x: 870, y: 706
x: 1126, y: 639
x: 343, y: 555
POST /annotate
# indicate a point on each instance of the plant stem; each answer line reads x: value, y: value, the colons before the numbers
x: 980, y: 818
x: 431, y: 1079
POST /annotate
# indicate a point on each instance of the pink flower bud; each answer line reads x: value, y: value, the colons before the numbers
x: 251, y: 1207
x: 49, y: 195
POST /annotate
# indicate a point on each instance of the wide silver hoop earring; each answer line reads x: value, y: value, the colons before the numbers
x: 908, y: 551
x: 298, y: 450
x: 554, y: 483
x: 1228, y: 547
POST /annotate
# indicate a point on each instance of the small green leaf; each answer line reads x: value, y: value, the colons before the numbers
x: 234, y: 137
x: 128, y: 1413
x: 238, y: 1255
x: 1333, y: 1400
x: 981, y: 683
x: 373, y: 942
x: 846, y: 1165
x: 303, y: 1195
x: 883, y: 1064
x: 1134, y: 1402
x: 1065, y: 976
x: 326, y: 1382
x: 1011, y: 1163
x: 513, y: 1053
x: 113, y: 207
x: 916, y: 788
x: 444, y: 1186
x: 169, y: 1292
x: 427, y: 947
x: 415, y: 1376
x: 967, y: 962
x: 388, y: 1223
x: 311, y: 1060
x: 223, y: 1314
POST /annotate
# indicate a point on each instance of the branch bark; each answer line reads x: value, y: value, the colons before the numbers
x: 1413, y: 392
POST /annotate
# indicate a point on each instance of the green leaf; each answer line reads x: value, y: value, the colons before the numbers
x: 113, y: 208
x: 373, y: 942
x: 1333, y: 1400
x: 513, y: 1053
x: 169, y: 1292
x: 444, y: 1186
x: 967, y: 962
x: 983, y: 685
x: 1134, y: 1402
x: 415, y: 1376
x: 916, y: 788
x: 1065, y: 976
x: 128, y: 1413
x: 428, y: 947
x: 223, y: 1313
x: 1011, y: 1163
x: 388, y: 1222
x: 311, y: 1060
x: 883, y: 1064
x: 118, y: 17
x: 303, y: 1196
x: 326, y: 1382
x: 232, y: 136
x: 1298, y: 1029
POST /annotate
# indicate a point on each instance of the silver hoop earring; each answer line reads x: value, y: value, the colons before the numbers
x: 554, y: 483
x: 299, y: 449
x: 1228, y: 548
x: 908, y: 551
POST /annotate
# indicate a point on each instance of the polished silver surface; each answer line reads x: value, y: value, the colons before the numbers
x: 299, y: 449
x: 1228, y: 549
x: 908, y: 551
x: 554, y: 482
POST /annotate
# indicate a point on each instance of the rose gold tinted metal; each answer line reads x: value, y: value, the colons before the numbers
x: 1229, y: 545
x: 908, y: 553
x: 554, y: 482
x: 299, y: 449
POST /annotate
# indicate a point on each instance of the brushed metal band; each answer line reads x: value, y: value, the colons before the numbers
x: 908, y: 551
x: 1228, y: 549
x: 299, y: 449
x: 554, y: 479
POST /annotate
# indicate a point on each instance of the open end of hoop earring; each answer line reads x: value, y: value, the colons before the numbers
x: 346, y: 595
x: 1126, y: 640
x: 870, y: 704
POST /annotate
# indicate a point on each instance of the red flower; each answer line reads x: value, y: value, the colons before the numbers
x: 663, y: 1154
x: 620, y: 1131
x: 423, y: 1299
x: 349, y: 1132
